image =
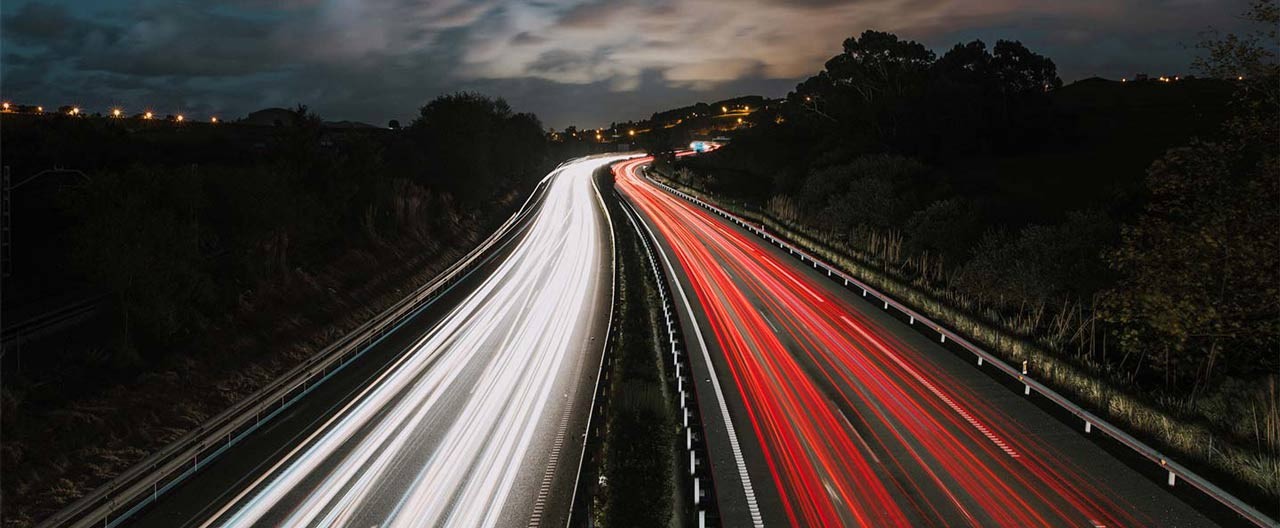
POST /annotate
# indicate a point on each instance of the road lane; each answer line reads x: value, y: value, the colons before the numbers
x: 478, y: 420
x: 854, y: 419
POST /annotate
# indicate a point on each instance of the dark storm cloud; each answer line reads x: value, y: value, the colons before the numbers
x: 574, y: 61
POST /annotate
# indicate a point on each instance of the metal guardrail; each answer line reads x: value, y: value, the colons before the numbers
x: 49, y: 321
x: 703, y: 499
x: 143, y: 483
x: 1091, y: 421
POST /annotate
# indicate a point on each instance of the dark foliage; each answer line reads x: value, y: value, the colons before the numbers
x: 982, y: 161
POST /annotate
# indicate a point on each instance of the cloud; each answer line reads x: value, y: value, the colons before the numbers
x: 566, y: 60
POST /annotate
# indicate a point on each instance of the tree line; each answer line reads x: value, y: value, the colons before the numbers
x: 177, y: 243
x: 980, y: 177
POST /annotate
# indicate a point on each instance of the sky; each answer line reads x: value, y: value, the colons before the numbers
x: 573, y: 62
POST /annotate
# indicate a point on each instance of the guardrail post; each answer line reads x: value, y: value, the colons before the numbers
x: 1172, y: 478
x: 944, y: 340
x: 1088, y: 427
x: 979, y: 357
x: 913, y: 320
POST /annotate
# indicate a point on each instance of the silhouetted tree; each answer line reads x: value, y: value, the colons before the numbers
x: 475, y: 147
x: 1020, y: 71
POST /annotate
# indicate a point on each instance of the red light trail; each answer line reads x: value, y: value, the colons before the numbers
x: 857, y: 427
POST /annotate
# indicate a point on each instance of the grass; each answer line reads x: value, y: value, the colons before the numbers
x: 637, y: 473
x: 1065, y: 351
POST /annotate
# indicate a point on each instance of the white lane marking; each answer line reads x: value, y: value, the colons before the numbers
x: 544, y: 490
x: 748, y: 490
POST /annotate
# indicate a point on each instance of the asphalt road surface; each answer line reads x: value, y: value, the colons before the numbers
x: 473, y: 413
x: 824, y: 410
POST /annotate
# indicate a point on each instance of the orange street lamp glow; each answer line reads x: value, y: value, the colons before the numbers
x: 6, y: 106
x: 213, y: 119
x: 115, y: 112
x: 739, y: 120
x: 40, y: 109
x: 75, y: 111
x: 148, y: 115
x: 179, y: 118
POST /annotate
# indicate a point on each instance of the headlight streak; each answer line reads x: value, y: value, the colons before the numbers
x: 854, y: 428
x: 441, y: 436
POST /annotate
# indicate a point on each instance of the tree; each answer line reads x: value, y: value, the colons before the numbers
x: 1200, y: 267
x: 877, y: 65
x: 864, y: 193
x: 1020, y: 71
x: 1249, y: 58
x: 946, y: 228
x: 1040, y: 262
x: 475, y: 147
x: 969, y: 64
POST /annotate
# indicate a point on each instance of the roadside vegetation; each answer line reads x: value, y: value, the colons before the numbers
x: 1031, y: 217
x: 222, y: 256
x: 636, y: 484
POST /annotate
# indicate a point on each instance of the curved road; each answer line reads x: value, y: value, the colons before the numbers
x: 845, y: 416
x: 471, y: 415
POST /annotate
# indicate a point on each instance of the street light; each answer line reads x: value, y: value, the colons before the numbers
x: 180, y: 118
x: 6, y: 107
x: 724, y: 109
x: 213, y: 119
x: 631, y: 132
x: 115, y: 112
x: 74, y: 110
x: 148, y: 115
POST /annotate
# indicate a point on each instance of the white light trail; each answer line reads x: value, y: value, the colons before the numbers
x: 445, y: 434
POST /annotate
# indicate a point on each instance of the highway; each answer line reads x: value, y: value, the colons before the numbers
x: 824, y: 410
x: 473, y: 413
